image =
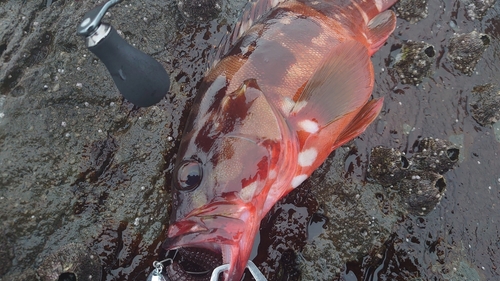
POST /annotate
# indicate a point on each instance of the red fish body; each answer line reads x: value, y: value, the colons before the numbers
x: 294, y: 87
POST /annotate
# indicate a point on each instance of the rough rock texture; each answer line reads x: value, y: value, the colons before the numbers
x: 199, y: 9
x: 417, y: 180
x: 465, y: 50
x: 78, y: 163
x: 337, y: 235
x: 476, y: 9
x: 74, y: 261
x: 411, y: 10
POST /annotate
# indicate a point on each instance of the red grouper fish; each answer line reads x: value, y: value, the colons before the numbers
x: 295, y: 85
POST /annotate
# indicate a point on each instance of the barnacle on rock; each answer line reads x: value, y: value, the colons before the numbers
x: 417, y: 180
x: 411, y: 10
x: 422, y: 191
x: 465, y: 50
x: 476, y: 9
x: 388, y: 165
x: 434, y: 155
x: 414, y: 62
x: 485, y: 104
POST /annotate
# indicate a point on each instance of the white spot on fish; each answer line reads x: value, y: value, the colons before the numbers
x: 297, y: 180
x: 307, y: 157
x: 247, y: 193
x: 287, y: 105
x: 272, y: 174
x: 309, y: 126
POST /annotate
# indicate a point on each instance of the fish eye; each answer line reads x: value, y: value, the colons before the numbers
x: 188, y: 175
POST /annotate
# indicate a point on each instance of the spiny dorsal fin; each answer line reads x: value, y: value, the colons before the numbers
x: 252, y: 12
x: 341, y: 84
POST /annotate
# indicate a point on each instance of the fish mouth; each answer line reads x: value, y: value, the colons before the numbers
x: 198, y: 254
x: 193, y: 264
x: 209, y: 237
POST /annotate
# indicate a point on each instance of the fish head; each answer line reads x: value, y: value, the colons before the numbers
x: 222, y: 177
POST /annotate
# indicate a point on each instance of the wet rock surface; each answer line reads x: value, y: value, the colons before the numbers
x: 199, y: 9
x: 81, y: 165
x: 360, y: 226
x: 485, y: 104
x: 415, y: 61
x: 467, y: 49
x: 71, y: 262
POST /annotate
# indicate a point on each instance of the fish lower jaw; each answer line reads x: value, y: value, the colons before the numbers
x: 194, y: 263
x: 198, y: 254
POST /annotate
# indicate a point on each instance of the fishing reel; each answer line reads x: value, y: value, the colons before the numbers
x: 156, y: 274
x: 140, y: 79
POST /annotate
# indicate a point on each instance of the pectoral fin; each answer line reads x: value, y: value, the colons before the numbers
x: 379, y: 28
x: 333, y: 108
x: 342, y: 84
x: 365, y: 117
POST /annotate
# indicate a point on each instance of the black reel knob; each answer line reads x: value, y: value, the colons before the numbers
x: 141, y: 79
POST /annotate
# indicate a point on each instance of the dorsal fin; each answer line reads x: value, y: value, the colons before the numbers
x: 341, y: 84
x: 252, y: 12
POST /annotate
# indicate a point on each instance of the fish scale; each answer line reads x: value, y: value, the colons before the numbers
x: 294, y: 86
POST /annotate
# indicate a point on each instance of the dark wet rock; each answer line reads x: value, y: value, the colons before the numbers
x: 417, y: 180
x: 27, y: 274
x: 476, y: 9
x: 465, y: 50
x: 414, y: 62
x: 411, y: 10
x: 6, y: 254
x: 71, y: 262
x: 199, y: 9
x: 96, y: 159
x: 288, y: 267
x: 485, y: 104
x: 57, y: 103
x: 355, y: 219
